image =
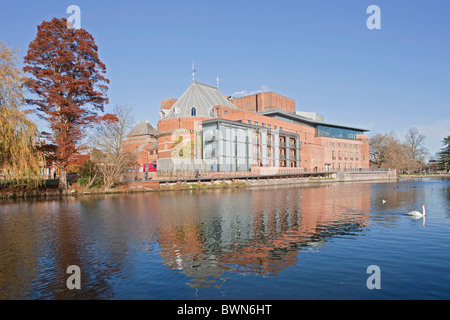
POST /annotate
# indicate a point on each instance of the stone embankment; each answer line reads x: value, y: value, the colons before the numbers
x: 49, y: 192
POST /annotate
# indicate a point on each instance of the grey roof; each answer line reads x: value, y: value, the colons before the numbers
x: 300, y: 118
x: 154, y: 146
x: 200, y: 96
x: 142, y: 128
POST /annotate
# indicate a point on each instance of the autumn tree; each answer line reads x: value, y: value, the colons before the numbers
x: 19, y: 158
x: 107, y: 147
x: 68, y: 86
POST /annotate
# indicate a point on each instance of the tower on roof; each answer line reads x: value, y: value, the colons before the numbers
x: 193, y: 72
x: 198, y: 100
x: 143, y: 128
x: 218, y: 80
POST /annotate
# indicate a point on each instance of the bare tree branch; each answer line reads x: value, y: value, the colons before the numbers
x: 106, y: 147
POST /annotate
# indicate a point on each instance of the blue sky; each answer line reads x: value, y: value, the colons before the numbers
x: 319, y: 53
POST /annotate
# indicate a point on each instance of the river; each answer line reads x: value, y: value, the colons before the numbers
x: 280, y: 242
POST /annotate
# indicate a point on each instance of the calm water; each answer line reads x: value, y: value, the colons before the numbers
x: 268, y: 243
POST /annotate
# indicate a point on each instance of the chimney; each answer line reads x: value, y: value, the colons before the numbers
x: 168, y: 103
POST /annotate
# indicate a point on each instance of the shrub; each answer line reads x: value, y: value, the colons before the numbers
x: 83, y: 181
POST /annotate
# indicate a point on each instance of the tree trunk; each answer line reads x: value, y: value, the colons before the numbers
x: 108, y: 185
x: 91, y: 183
x: 63, y: 185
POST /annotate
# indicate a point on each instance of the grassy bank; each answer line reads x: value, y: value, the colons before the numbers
x: 51, y: 190
x: 21, y: 191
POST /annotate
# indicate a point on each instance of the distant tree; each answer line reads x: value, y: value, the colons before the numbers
x: 386, y: 151
x: 444, y: 154
x: 416, y: 151
x: 19, y: 158
x: 380, y: 148
x: 107, y: 153
x: 69, y: 87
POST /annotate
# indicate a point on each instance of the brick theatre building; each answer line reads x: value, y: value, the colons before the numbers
x: 205, y: 130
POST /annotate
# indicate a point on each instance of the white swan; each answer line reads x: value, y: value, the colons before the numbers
x: 417, y: 214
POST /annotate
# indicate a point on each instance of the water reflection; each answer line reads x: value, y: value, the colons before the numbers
x: 126, y: 244
x: 201, y: 234
x: 39, y: 240
x: 260, y: 230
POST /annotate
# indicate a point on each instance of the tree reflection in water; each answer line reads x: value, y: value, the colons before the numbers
x: 203, y: 234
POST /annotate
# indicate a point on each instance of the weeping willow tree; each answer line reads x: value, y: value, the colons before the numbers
x: 19, y: 158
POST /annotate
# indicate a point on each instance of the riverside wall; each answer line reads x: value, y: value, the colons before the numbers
x: 366, y: 175
x: 210, y: 181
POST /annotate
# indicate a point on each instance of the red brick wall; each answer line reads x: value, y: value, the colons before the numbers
x: 364, y: 139
x: 315, y: 151
x: 264, y: 101
x: 247, y: 103
x: 167, y: 126
x: 144, y: 155
x: 351, y: 147
x: 168, y: 103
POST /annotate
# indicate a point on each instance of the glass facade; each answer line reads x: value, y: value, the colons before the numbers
x: 338, y: 133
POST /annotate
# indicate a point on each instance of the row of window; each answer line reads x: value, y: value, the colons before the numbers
x: 212, y: 152
x: 270, y: 153
x: 263, y: 125
x: 194, y: 112
x: 350, y: 145
x: 333, y: 155
x: 344, y: 166
x: 282, y: 141
x: 339, y: 133
x: 271, y: 163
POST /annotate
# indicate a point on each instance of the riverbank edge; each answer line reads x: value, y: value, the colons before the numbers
x: 418, y: 176
x: 131, y: 188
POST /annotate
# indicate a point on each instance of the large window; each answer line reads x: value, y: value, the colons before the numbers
x: 339, y: 133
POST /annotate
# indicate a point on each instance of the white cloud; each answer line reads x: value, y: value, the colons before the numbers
x: 263, y: 88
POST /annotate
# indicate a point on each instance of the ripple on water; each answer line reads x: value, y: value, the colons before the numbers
x: 277, y: 242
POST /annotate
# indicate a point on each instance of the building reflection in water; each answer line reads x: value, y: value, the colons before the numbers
x: 255, y: 230
x: 203, y: 234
